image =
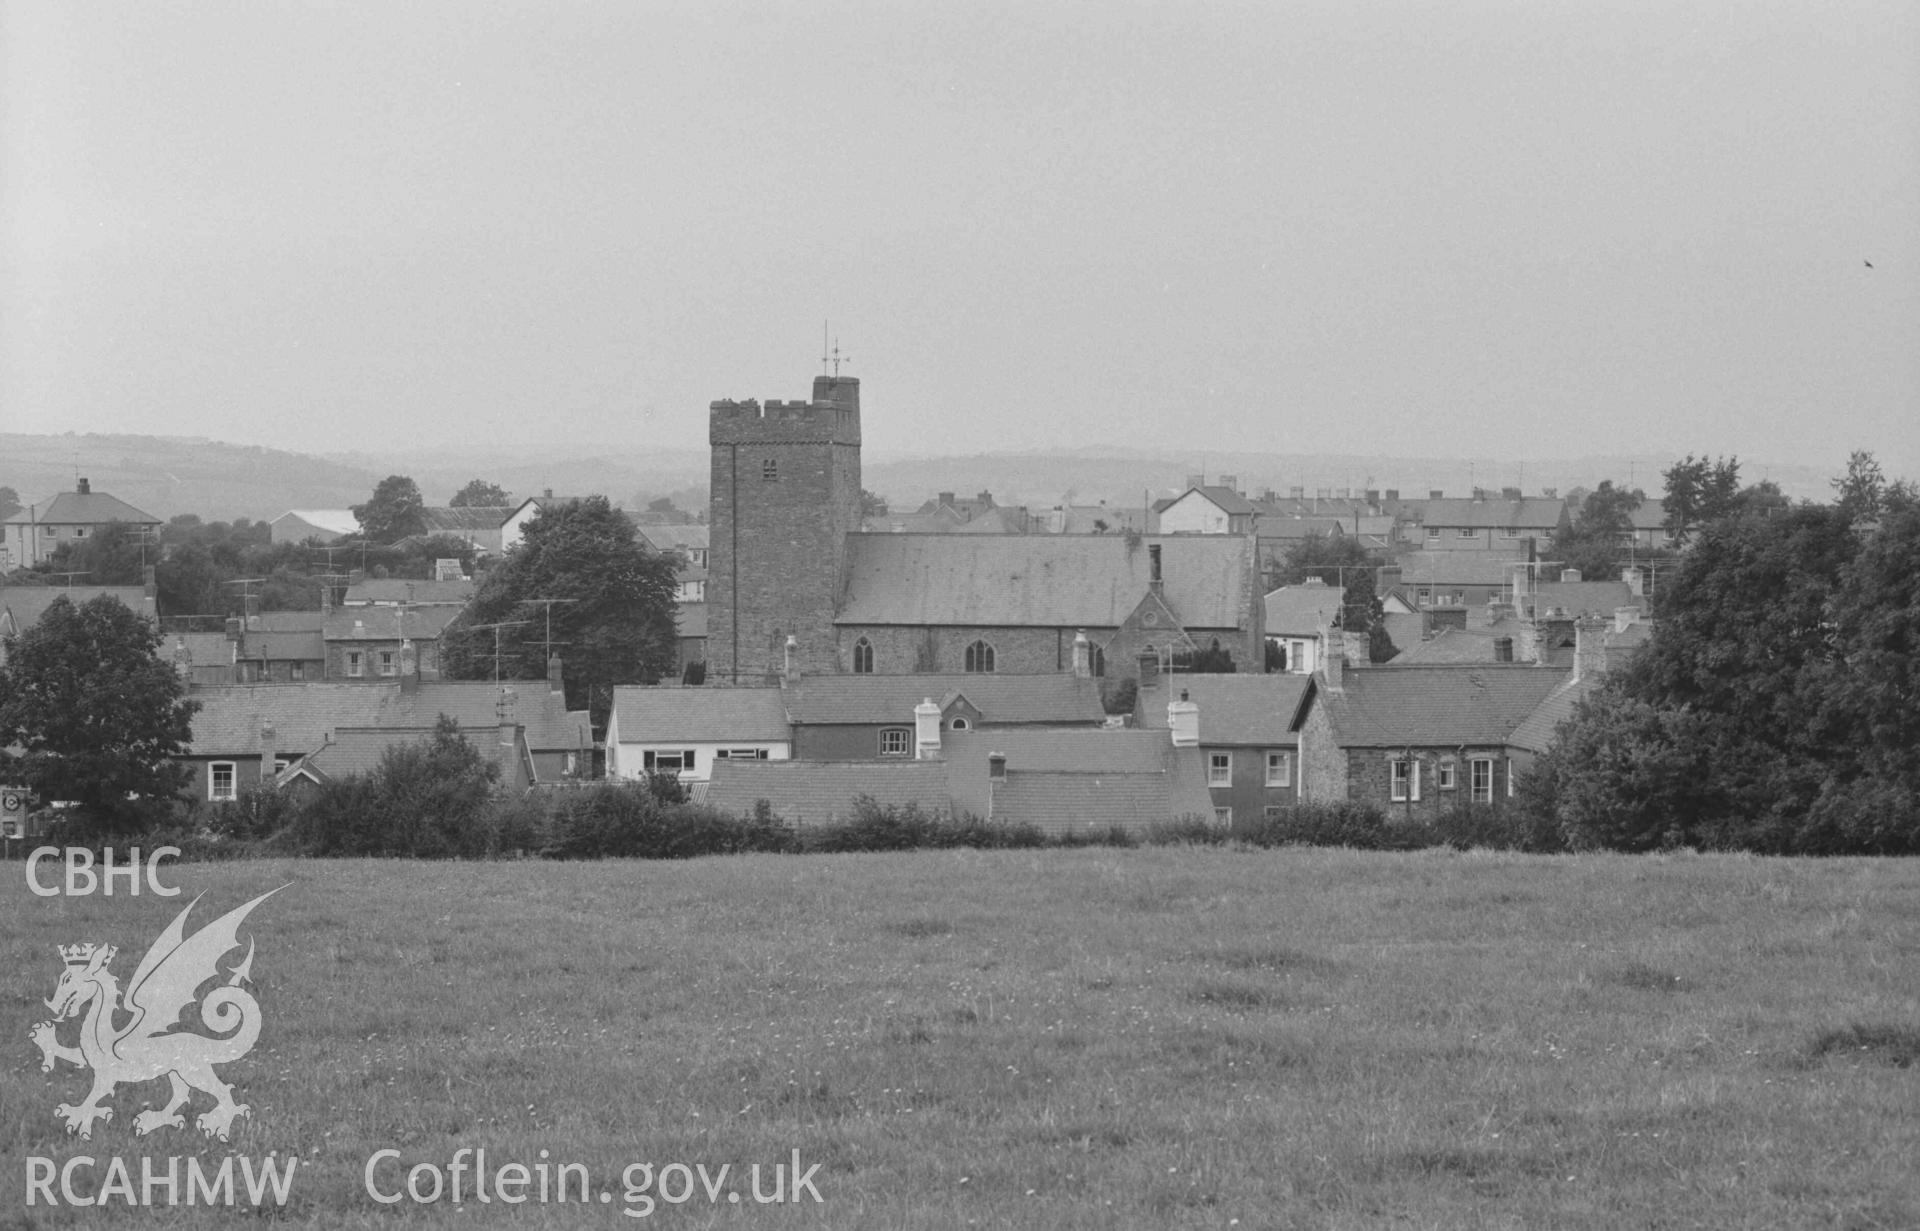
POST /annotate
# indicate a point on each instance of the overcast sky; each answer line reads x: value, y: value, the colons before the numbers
x: 1492, y: 229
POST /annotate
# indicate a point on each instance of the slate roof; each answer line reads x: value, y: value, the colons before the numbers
x: 84, y: 509
x: 1225, y: 498
x: 382, y: 590
x: 358, y: 750
x: 275, y: 647
x: 1598, y: 597
x: 1079, y: 518
x: 1461, y: 568
x: 1054, y: 581
x: 1067, y: 801
x: 1458, y: 646
x: 1172, y: 780
x: 1494, y: 513
x: 1428, y: 706
x: 384, y: 623
x: 230, y: 716
x: 1234, y: 709
x: 675, y: 538
x: 1000, y: 699
x: 1290, y: 529
x: 447, y: 519
x: 208, y: 649
x: 286, y: 621
x: 816, y: 792
x: 700, y: 715
x: 27, y: 604
x: 1535, y: 732
x: 1302, y: 609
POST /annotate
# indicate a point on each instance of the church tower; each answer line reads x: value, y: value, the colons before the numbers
x: 785, y: 495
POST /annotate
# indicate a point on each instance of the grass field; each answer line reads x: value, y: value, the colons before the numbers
x: 1161, y: 1037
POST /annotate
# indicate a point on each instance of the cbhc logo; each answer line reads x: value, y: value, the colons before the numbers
x: 82, y: 880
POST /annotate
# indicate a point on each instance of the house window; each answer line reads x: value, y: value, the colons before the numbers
x: 1482, y: 780
x: 1406, y: 781
x: 740, y: 754
x: 280, y: 765
x: 1424, y: 593
x: 1273, y: 812
x: 1433, y: 534
x: 960, y: 724
x: 1443, y: 775
x: 1223, y: 817
x: 863, y: 657
x: 386, y: 662
x: 1510, y: 532
x: 895, y: 741
x: 980, y: 657
x: 1279, y: 769
x: 220, y: 781
x: 1467, y: 532
x: 79, y: 532
x: 297, y: 671
x: 668, y: 761
x: 1097, y: 661
x: 354, y: 663
x: 1219, y: 769
x: 770, y: 470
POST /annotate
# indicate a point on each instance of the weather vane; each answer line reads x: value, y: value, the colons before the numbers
x: 831, y: 355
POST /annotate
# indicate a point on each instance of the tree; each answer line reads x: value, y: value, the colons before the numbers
x: 1330, y: 557
x: 1597, y: 538
x: 1699, y: 491
x: 114, y: 555
x: 96, y: 714
x: 9, y: 503
x: 617, y: 625
x: 393, y: 512
x: 1361, y: 611
x: 1862, y: 490
x: 872, y: 505
x: 478, y: 493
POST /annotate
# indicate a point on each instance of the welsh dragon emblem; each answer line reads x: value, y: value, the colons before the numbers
x: 147, y: 1046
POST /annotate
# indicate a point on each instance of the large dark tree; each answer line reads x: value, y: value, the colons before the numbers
x: 113, y: 555
x: 615, y: 625
x: 393, y: 512
x: 1362, y: 611
x: 1778, y: 705
x: 1595, y: 542
x: 478, y: 493
x: 1333, y: 558
x: 1699, y: 491
x: 9, y: 502
x: 95, y: 714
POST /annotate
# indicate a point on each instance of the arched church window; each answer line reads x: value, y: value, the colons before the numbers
x: 980, y: 657
x: 863, y: 657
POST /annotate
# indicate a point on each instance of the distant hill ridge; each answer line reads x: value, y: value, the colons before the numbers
x: 167, y: 475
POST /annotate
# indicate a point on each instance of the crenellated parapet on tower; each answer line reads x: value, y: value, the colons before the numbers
x: 785, y: 495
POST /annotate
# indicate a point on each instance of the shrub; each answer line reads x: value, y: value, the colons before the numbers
x: 900, y: 827
x: 1362, y: 826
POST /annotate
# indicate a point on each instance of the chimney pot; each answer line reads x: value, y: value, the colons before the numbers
x: 1183, y: 722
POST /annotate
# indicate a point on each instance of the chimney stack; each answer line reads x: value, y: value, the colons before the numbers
x: 84, y: 488
x: 926, y: 731
x: 1589, y: 648
x: 555, y: 675
x: 1183, y: 722
x: 1333, y: 658
x: 1636, y: 581
x: 1570, y: 574
x: 789, y: 670
x: 1082, y: 656
x: 183, y: 660
x: 1153, y: 566
x: 268, y: 739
